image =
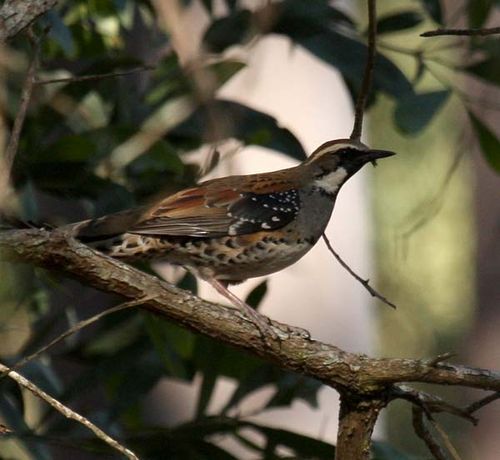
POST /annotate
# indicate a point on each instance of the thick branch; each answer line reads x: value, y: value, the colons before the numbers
x: 356, y: 422
x: 16, y: 15
x: 335, y: 367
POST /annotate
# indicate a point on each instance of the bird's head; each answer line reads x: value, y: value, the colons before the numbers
x: 332, y: 163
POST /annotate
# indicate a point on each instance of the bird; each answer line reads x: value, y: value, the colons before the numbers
x: 229, y: 229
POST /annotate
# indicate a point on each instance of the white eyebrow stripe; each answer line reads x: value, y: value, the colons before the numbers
x: 332, y: 148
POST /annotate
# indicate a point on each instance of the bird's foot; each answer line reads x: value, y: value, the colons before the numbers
x: 263, y: 324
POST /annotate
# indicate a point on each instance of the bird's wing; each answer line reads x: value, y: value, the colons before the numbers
x: 219, y: 208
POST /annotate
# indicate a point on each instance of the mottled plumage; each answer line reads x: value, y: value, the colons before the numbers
x: 233, y: 228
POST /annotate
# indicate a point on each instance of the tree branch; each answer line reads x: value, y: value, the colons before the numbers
x: 356, y: 422
x: 423, y: 433
x: 296, y: 352
x: 16, y: 15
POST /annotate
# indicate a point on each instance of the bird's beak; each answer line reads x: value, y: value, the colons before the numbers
x: 374, y: 155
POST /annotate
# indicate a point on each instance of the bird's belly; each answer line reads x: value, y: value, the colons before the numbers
x: 228, y: 258
x: 236, y: 259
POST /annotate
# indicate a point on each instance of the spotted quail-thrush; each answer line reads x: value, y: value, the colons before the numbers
x: 233, y: 228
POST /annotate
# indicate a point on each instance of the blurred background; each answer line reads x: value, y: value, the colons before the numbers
x: 156, y: 95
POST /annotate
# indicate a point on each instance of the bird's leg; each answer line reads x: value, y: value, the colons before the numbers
x: 264, y: 328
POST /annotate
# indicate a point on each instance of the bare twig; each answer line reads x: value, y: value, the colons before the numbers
x: 72, y: 330
x: 446, y: 439
x: 430, y: 403
x: 95, y: 77
x: 368, y: 73
x: 365, y: 283
x: 67, y: 412
x: 440, y: 358
x: 475, y: 406
x: 11, y: 150
x: 466, y: 32
x: 423, y: 433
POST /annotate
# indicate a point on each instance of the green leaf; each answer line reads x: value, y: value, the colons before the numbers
x: 174, y: 346
x: 13, y: 417
x: 298, y: 19
x: 398, y: 21
x: 489, y: 69
x: 186, y: 441
x: 60, y: 33
x: 152, y: 171
x: 206, y: 390
x: 302, y: 445
x: 349, y: 56
x: 231, y: 4
x: 225, y: 70
x: 291, y: 387
x: 72, y: 148
x: 44, y: 377
x: 434, y: 10
x: 414, y: 112
x: 208, y: 5
x: 489, y: 142
x: 171, y: 80
x: 112, y: 339
x: 126, y: 391
x: 241, y: 122
x: 258, y: 293
x: 478, y: 12
x: 227, y: 31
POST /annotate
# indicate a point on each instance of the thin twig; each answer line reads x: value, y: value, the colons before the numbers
x: 446, y: 439
x: 429, y: 403
x: 94, y: 77
x: 12, y: 147
x: 475, y: 406
x: 72, y: 330
x: 466, y: 32
x: 368, y: 73
x: 426, y: 436
x: 439, y: 359
x: 365, y: 283
x: 67, y: 412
